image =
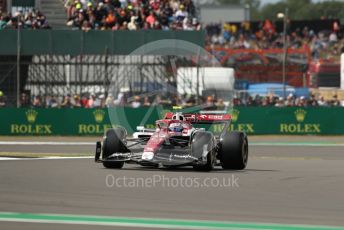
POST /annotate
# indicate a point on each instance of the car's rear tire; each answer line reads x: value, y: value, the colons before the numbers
x: 199, y: 140
x: 113, y: 143
x: 234, y: 151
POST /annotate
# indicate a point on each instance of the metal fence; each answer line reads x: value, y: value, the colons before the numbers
x: 58, y: 62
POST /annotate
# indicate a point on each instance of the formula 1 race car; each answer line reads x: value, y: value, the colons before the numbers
x: 176, y: 142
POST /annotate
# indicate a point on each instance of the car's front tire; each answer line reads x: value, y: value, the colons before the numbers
x: 113, y: 143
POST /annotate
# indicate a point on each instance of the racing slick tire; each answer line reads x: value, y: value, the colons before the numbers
x: 112, y: 143
x: 199, y: 140
x: 234, y: 151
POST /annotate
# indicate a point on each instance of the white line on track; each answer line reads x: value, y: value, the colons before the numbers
x: 41, y: 158
x: 298, y: 144
x: 45, y: 143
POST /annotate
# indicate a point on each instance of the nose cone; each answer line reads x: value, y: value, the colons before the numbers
x: 156, y: 140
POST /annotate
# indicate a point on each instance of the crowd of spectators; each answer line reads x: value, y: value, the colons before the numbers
x: 327, y: 43
x: 131, y: 15
x: 210, y: 102
x: 291, y: 100
x: 32, y: 19
x: 101, y: 101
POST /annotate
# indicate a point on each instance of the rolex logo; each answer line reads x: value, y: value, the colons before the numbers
x: 99, y: 115
x: 31, y: 115
x: 235, y: 115
x: 300, y: 115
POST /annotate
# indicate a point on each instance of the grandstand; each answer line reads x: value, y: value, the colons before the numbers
x: 55, y: 13
x: 132, y: 15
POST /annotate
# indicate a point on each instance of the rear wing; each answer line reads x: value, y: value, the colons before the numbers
x: 207, y: 118
x: 204, y: 117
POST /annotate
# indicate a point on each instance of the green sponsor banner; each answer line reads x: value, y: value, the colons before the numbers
x: 253, y: 120
x: 73, y: 121
x: 289, y: 121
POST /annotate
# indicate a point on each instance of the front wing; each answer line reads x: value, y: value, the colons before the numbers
x: 167, y: 155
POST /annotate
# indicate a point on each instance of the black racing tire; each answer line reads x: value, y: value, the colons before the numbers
x: 112, y: 143
x: 198, y: 141
x: 234, y: 151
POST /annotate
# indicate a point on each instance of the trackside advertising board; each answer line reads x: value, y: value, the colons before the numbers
x: 88, y: 122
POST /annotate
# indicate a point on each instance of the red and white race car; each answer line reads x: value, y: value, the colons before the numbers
x: 176, y: 142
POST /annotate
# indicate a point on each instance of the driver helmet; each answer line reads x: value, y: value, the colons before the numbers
x: 178, y: 116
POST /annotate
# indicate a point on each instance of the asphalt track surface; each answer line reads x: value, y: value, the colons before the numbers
x: 282, y: 184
